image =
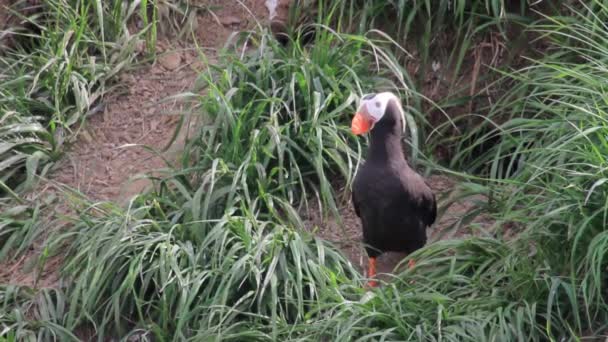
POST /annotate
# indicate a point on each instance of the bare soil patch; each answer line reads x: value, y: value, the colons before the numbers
x: 119, y: 143
x: 4, y: 4
x: 223, y: 18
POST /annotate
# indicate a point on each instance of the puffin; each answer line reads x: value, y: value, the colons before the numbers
x: 393, y: 202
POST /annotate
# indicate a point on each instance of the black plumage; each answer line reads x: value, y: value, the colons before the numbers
x: 394, y: 202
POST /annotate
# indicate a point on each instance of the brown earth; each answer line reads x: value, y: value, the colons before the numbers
x: 4, y: 19
x: 115, y: 144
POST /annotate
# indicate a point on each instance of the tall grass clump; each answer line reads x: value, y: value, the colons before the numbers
x: 279, y: 121
x: 461, y: 290
x: 53, y: 76
x: 445, y: 31
x: 547, y: 167
x: 28, y: 315
x: 19, y: 226
x: 147, y: 269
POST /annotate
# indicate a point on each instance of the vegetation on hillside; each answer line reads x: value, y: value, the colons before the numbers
x: 218, y: 250
x: 54, y: 77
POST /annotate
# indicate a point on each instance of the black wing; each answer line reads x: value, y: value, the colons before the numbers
x: 429, y: 205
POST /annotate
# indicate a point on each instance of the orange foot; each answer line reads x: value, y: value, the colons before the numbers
x: 372, y: 283
x: 411, y: 264
x: 371, y: 273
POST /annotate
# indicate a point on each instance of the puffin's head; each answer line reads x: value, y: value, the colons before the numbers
x: 374, y: 108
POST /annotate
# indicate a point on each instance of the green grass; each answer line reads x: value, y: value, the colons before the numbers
x: 19, y: 228
x: 30, y: 315
x: 53, y: 78
x: 239, y: 269
x: 461, y: 290
x: 279, y: 124
x: 444, y: 31
x: 225, y: 230
x: 218, y: 249
x: 555, y: 129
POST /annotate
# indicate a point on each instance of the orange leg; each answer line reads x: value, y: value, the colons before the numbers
x: 371, y: 272
x: 411, y: 264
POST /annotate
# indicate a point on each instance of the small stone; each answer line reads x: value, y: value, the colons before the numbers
x: 153, y: 125
x: 272, y: 8
x: 170, y: 61
x: 230, y: 20
x: 436, y: 66
x: 87, y: 137
x: 140, y: 46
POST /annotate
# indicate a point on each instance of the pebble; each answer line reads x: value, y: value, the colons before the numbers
x: 170, y: 61
x: 230, y: 20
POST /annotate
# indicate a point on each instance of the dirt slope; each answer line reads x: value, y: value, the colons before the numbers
x: 105, y: 159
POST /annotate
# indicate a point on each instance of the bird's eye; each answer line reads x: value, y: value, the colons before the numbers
x: 368, y: 97
x: 378, y: 104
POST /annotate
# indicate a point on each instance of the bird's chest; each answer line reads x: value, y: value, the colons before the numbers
x: 378, y: 186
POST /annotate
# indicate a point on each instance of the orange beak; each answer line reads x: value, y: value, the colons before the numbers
x: 360, y: 124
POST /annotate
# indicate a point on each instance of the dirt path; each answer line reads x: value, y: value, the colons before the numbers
x: 109, y: 152
x: 110, y: 148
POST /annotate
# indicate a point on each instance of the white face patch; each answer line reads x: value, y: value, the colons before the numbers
x: 376, y: 106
